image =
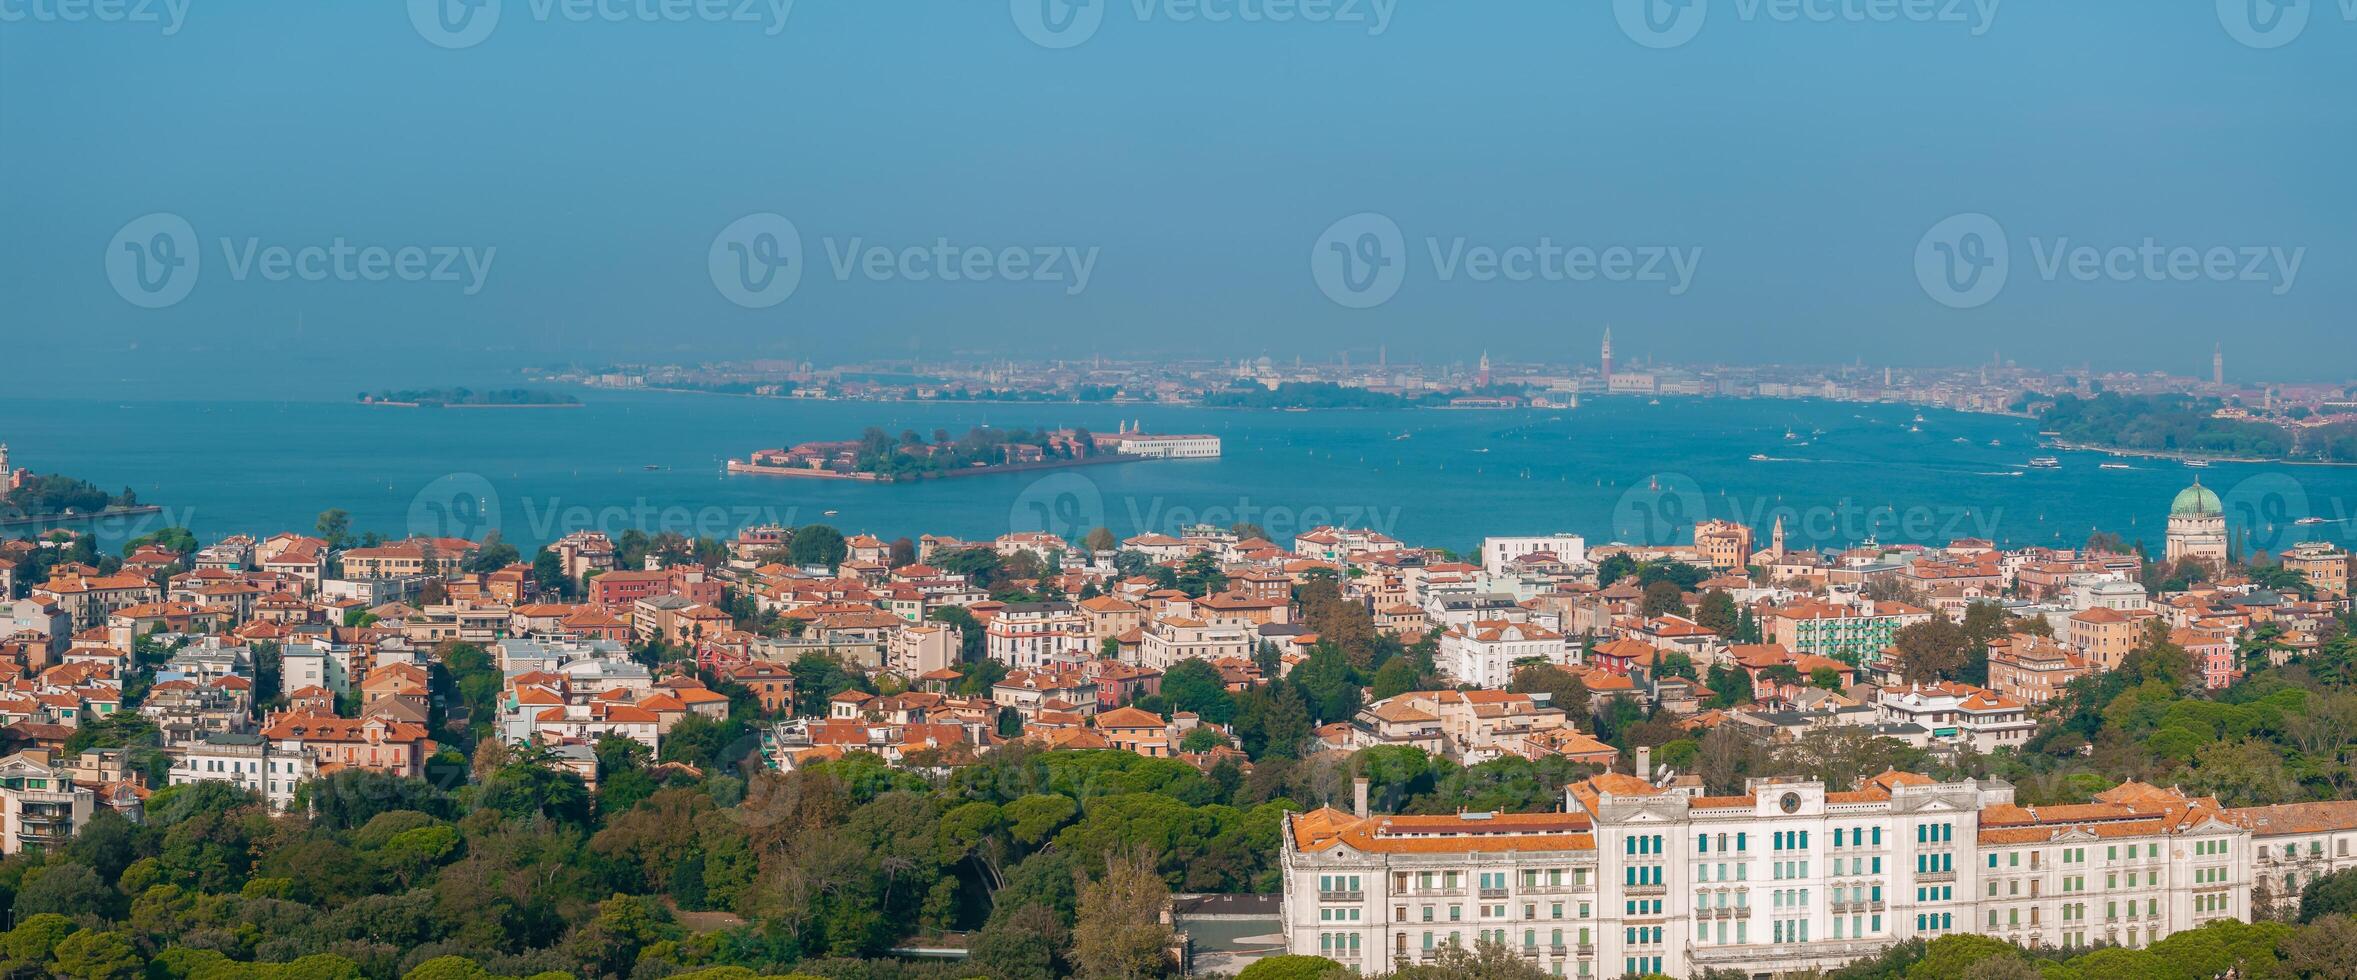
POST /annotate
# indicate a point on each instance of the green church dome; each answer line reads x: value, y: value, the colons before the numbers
x: 2196, y: 500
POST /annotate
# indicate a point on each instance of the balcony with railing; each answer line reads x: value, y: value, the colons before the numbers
x: 1350, y: 896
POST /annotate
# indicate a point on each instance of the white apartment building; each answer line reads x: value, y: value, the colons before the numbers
x: 247, y: 761
x: 1165, y: 642
x: 2107, y: 592
x: 1958, y: 714
x: 1484, y: 653
x: 1787, y: 876
x: 920, y: 648
x: 1031, y: 635
x: 1497, y: 553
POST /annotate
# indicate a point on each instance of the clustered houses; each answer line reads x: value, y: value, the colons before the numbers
x: 1644, y: 874
x: 1640, y: 875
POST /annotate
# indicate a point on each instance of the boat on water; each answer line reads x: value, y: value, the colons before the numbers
x: 1994, y: 443
x: 2114, y: 466
x: 1960, y: 439
x: 1919, y: 418
x: 832, y: 513
x: 1759, y: 457
x: 2311, y: 521
x: 1789, y: 434
x: 1656, y: 401
x: 2199, y: 464
x: 2045, y: 463
x: 1914, y: 428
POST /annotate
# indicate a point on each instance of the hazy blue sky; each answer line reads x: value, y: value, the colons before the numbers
x: 1796, y: 164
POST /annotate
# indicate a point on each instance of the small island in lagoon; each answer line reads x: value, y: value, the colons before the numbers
x: 469, y: 398
x: 878, y: 456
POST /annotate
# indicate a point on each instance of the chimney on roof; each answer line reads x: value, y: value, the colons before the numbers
x: 1645, y: 763
x: 1358, y: 797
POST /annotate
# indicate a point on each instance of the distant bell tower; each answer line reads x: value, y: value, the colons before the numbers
x: 1776, y: 538
x: 1607, y: 355
x: 2218, y: 365
x: 1481, y: 376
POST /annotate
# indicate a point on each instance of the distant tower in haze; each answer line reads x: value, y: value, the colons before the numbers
x: 1776, y: 538
x: 2218, y: 365
x: 1382, y: 356
x: 1886, y: 375
x: 1607, y: 356
x: 1481, y: 376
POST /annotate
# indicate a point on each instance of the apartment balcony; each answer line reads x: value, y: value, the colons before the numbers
x: 1716, y: 912
x: 1434, y: 892
x: 1862, y: 905
x: 1342, y: 896
x: 1645, y: 889
x: 1493, y: 893
x: 1935, y: 876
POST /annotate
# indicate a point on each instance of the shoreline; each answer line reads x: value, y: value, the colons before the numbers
x: 741, y: 468
x: 2075, y: 447
x: 367, y: 404
x: 141, y: 510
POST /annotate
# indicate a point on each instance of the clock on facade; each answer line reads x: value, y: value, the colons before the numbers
x: 1790, y: 803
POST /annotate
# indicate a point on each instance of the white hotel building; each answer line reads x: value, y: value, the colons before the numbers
x: 1788, y: 876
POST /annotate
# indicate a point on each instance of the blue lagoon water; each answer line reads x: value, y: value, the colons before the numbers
x: 1612, y: 469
